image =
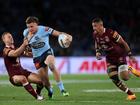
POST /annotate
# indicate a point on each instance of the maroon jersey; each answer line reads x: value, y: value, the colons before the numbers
x: 107, y: 42
x: 12, y: 64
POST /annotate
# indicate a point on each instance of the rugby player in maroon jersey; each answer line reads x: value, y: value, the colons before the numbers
x: 19, y: 76
x: 116, y: 50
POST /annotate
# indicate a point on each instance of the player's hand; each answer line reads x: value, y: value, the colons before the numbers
x: 69, y: 38
x: 28, y: 51
x: 98, y: 56
x: 25, y: 42
x: 132, y: 59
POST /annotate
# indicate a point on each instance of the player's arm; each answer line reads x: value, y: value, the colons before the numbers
x: 127, y: 48
x: 97, y: 48
x: 98, y: 52
x: 122, y: 42
x: 19, y: 51
x: 57, y: 33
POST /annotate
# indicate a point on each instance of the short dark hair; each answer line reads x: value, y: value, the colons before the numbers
x: 32, y: 19
x: 97, y: 20
x: 4, y: 33
x: 2, y: 44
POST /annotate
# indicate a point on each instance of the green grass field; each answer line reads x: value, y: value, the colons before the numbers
x: 84, y: 90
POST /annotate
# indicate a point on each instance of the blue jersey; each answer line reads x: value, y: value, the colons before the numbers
x: 39, y: 42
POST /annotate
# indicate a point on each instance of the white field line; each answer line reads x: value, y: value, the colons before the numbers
x: 109, y: 90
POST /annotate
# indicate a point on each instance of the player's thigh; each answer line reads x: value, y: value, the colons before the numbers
x: 19, y: 79
x: 112, y: 70
x: 34, y: 78
x: 123, y: 72
x: 50, y: 59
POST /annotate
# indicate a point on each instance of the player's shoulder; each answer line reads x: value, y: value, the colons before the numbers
x: 6, y: 50
x: 41, y: 27
x: 112, y: 32
x: 109, y: 30
x: 45, y: 28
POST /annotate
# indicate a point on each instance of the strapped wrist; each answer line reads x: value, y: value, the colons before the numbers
x: 98, y: 51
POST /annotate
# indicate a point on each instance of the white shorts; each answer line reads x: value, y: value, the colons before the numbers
x: 122, y: 68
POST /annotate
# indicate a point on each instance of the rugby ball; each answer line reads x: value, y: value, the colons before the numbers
x: 62, y: 40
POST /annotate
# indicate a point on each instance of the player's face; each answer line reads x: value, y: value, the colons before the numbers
x: 32, y: 27
x: 7, y: 38
x: 97, y: 27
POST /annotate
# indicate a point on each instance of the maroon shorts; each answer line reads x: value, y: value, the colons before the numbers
x: 116, y: 57
x: 24, y: 72
x: 116, y: 60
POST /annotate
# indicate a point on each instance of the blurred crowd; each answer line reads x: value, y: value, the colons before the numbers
x: 74, y: 17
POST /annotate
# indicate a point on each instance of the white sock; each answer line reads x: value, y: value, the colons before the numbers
x: 60, y: 85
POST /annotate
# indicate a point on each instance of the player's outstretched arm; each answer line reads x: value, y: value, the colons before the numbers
x: 57, y: 33
x: 19, y: 51
x: 127, y: 48
x: 118, y: 38
x: 123, y: 42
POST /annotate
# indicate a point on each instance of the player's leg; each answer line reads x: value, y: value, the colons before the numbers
x: 43, y: 74
x: 21, y: 79
x: 50, y: 61
x: 113, y: 74
x: 123, y: 72
x: 34, y: 78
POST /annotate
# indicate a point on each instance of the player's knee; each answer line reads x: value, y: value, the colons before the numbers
x: 23, y: 79
x: 125, y: 78
x: 124, y: 75
x: 52, y: 66
x: 123, y: 71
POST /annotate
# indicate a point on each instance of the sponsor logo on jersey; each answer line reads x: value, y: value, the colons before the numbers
x: 37, y: 45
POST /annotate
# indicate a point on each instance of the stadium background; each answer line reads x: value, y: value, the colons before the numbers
x: 74, y: 17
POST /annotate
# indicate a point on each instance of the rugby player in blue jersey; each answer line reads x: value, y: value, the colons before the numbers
x: 43, y: 57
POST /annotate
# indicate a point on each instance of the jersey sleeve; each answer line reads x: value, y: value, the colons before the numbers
x: 49, y: 30
x: 115, y: 36
x: 6, y: 51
